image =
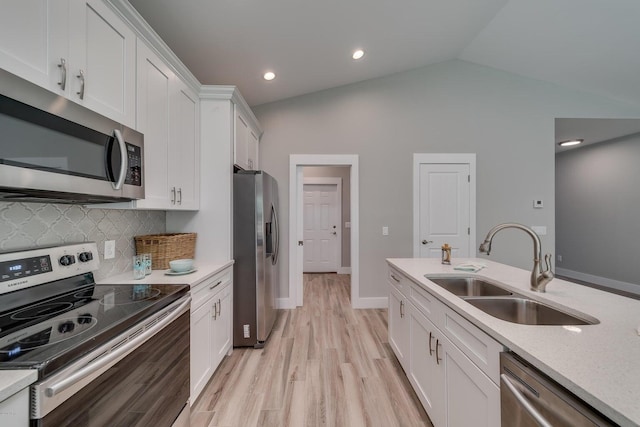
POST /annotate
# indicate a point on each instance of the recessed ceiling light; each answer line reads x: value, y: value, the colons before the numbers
x: 570, y: 142
x: 269, y: 75
x: 358, y: 54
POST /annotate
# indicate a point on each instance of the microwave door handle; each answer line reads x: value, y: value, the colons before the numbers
x: 124, y: 165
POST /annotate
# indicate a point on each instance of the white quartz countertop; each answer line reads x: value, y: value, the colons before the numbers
x: 203, y: 271
x: 599, y: 363
x: 12, y: 382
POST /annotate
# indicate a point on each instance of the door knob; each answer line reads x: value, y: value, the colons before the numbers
x: 426, y: 242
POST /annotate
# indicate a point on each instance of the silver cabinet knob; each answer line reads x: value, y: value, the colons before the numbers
x: 426, y: 242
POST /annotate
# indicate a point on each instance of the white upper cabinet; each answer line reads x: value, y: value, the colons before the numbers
x: 245, y: 154
x: 102, y: 51
x: 184, y: 149
x: 34, y: 42
x: 78, y: 49
x: 168, y: 117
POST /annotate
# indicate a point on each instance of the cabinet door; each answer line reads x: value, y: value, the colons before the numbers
x: 241, y: 141
x: 153, y: 93
x: 426, y: 375
x: 34, y: 41
x: 201, y: 345
x: 399, y: 327
x: 103, y: 48
x: 471, y: 397
x: 222, y: 323
x: 184, y: 159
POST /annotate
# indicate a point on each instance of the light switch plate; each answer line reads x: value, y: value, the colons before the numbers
x: 385, y: 231
x: 538, y: 204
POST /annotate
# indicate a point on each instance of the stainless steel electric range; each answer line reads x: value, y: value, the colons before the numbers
x: 105, y: 354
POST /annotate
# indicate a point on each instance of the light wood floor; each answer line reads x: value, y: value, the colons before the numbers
x: 324, y: 364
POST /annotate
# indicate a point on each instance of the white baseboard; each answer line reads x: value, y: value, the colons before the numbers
x: 344, y: 270
x: 597, y: 280
x: 285, y: 303
x: 371, y: 302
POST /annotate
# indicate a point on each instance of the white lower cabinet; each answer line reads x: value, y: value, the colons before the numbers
x: 14, y: 411
x: 452, y: 389
x: 211, y: 316
x: 455, y: 383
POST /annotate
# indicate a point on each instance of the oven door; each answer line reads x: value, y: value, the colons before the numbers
x: 139, y: 379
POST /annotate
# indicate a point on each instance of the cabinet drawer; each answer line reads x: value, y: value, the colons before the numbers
x: 483, y: 350
x: 425, y: 302
x: 398, y: 280
x: 206, y: 288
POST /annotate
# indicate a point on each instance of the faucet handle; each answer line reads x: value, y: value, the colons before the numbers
x: 547, y: 262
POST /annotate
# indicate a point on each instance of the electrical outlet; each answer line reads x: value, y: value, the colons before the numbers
x: 559, y: 258
x: 385, y: 231
x: 245, y: 329
x: 109, y: 249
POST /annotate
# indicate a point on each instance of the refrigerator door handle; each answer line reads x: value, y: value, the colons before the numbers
x: 276, y: 234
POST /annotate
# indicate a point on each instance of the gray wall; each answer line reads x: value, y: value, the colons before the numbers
x: 451, y: 107
x: 598, y: 209
x: 27, y: 225
x: 344, y: 173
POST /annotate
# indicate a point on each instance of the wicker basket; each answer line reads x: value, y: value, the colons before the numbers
x: 166, y: 247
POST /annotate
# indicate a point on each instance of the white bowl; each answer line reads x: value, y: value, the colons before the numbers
x: 181, y: 265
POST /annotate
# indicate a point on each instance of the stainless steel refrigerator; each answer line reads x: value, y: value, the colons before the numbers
x: 256, y: 242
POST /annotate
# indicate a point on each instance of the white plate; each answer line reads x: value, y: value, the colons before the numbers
x: 179, y: 273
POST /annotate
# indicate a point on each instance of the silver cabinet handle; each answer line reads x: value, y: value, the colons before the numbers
x: 426, y: 242
x: 430, y: 340
x: 215, y: 311
x: 542, y: 421
x: 213, y: 286
x: 180, y: 195
x: 118, y: 353
x: 438, y: 358
x: 63, y: 74
x: 219, y: 307
x: 82, y: 81
x: 395, y: 278
x: 124, y: 164
x: 173, y: 195
x: 401, y: 309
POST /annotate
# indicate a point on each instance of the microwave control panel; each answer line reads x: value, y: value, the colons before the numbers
x: 134, y: 172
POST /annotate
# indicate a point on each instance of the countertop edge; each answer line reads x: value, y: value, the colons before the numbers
x: 203, y: 271
x: 13, y: 381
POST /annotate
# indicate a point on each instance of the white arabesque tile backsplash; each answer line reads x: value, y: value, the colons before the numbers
x: 28, y: 225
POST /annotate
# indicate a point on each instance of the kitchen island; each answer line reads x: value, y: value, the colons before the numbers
x: 598, y: 363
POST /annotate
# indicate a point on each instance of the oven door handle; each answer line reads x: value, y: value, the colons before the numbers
x: 116, y: 354
x: 541, y: 420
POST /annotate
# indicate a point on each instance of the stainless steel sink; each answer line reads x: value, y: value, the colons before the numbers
x: 464, y: 286
x: 527, y: 312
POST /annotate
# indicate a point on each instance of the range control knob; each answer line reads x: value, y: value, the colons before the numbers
x: 85, y: 256
x: 67, y: 260
x: 65, y: 327
x: 84, y: 319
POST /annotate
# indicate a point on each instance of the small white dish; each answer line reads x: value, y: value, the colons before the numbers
x: 179, y: 273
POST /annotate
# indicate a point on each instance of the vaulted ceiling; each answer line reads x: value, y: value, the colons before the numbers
x: 588, y: 45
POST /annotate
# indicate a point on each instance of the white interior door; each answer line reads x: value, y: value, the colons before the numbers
x: 321, y: 228
x: 446, y: 207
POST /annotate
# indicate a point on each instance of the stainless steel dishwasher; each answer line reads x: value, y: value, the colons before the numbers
x: 528, y: 398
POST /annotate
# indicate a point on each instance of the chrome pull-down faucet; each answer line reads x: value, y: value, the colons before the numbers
x: 539, y: 277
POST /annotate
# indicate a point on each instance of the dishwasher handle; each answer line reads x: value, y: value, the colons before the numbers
x: 542, y: 421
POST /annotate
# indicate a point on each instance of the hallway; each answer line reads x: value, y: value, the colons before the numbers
x: 324, y: 364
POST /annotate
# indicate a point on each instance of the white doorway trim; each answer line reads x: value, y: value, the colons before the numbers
x: 296, y: 181
x: 444, y: 158
x: 337, y: 181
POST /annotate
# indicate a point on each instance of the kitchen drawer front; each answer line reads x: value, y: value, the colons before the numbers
x: 398, y: 280
x: 426, y: 303
x: 205, y: 289
x: 483, y: 350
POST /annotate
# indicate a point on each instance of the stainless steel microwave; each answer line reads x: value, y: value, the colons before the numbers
x: 54, y: 150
